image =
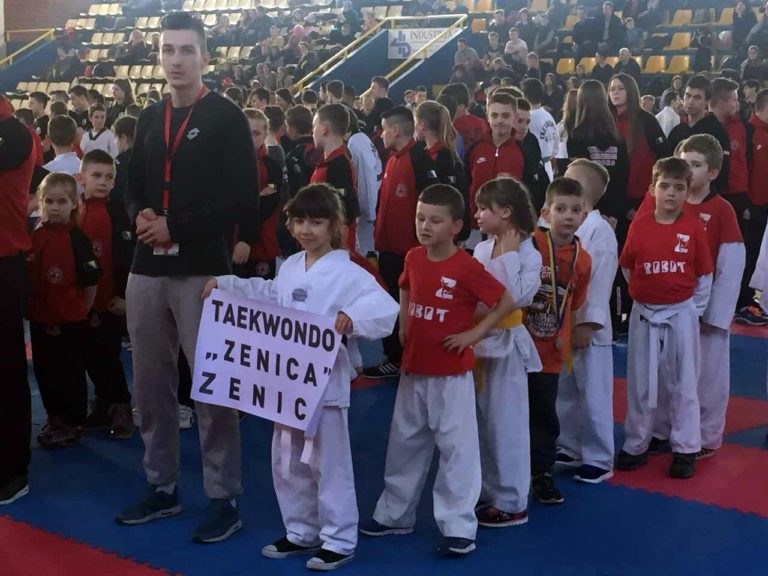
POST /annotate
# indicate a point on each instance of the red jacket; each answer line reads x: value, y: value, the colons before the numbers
x: 738, y: 177
x: 17, y: 163
x: 270, y: 172
x: 758, y: 165
x: 485, y: 162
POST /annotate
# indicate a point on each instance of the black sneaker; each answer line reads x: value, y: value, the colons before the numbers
x: 153, y: 505
x: 562, y: 460
x: 98, y: 416
x: 752, y: 315
x: 456, y: 546
x: 683, y: 465
x: 326, y: 560
x: 373, y: 528
x: 284, y: 548
x: 628, y: 462
x: 492, y: 517
x: 705, y: 454
x: 545, y: 491
x: 657, y: 446
x: 14, y: 489
x: 220, y: 522
x: 592, y: 474
x: 383, y: 370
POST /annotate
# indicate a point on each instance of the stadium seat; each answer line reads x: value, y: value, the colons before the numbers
x: 106, y: 89
x: 143, y: 88
x: 655, y: 65
x: 612, y: 60
x: 588, y: 64
x: 115, y: 10
x: 380, y: 11
x: 538, y: 6
x: 188, y: 6
x: 682, y: 18
x: 478, y: 25
x: 210, y: 20
x: 146, y: 71
x: 154, y: 22
x: 679, y: 65
x: 726, y: 17
x: 680, y: 41
x: 97, y: 39
x: 570, y: 21
x: 22, y: 86
x: 395, y: 11
x: 93, y: 10
x: 122, y: 71
x: 135, y: 72
x: 484, y: 6
x: 639, y: 60
x: 142, y: 22
x: 566, y: 66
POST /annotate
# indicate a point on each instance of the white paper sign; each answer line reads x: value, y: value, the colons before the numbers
x: 403, y: 43
x: 263, y: 359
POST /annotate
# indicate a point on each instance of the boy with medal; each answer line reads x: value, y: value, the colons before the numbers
x: 565, y: 273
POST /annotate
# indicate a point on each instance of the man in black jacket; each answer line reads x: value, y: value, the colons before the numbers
x: 629, y: 65
x: 192, y: 172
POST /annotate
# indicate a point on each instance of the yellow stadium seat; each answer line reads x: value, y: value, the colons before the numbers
x: 93, y: 10
x: 142, y: 22
x: 655, y: 65
x: 380, y: 11
x: 188, y: 5
x: 679, y: 65
x: 233, y: 53
x: 221, y: 5
x: 566, y: 66
x: 90, y: 23
x: 97, y: 38
x: 639, y: 60
x: 22, y: 86
x: 726, y: 17
x: 570, y: 21
x: 19, y: 103
x: 71, y: 23
x: 210, y: 19
x: 143, y: 88
x: 588, y: 64
x: 135, y: 72
x: 122, y: 71
x: 612, y: 60
x: 478, y: 25
x: 234, y: 17
x: 115, y: 10
x: 395, y: 11
x: 538, y: 6
x: 146, y: 71
x: 106, y: 89
x: 484, y: 6
x: 682, y: 18
x: 210, y: 5
x: 680, y: 41
x: 154, y: 22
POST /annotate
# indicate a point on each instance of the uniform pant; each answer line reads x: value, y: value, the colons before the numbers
x: 365, y: 235
x: 752, y: 241
x: 58, y: 359
x: 433, y: 411
x: 505, y: 445
x: 545, y: 427
x: 585, y: 407
x: 15, y: 403
x: 317, y: 499
x: 163, y: 313
x: 103, y: 346
x: 676, y: 375
x: 740, y: 202
x: 713, y: 389
x: 391, y: 267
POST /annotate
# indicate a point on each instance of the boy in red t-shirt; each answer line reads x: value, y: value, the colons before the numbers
x: 667, y: 263
x: 440, y: 289
x: 548, y: 320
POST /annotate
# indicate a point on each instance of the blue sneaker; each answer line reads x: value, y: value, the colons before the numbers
x: 153, y: 505
x: 220, y: 522
x: 373, y: 528
x: 456, y: 546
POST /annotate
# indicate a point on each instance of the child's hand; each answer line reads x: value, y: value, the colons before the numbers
x: 582, y: 336
x: 117, y: 306
x: 460, y: 342
x: 209, y: 286
x: 268, y: 191
x: 706, y: 328
x: 343, y: 323
x: 241, y: 253
x: 511, y: 240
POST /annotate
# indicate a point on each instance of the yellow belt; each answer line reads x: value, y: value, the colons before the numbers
x: 512, y: 320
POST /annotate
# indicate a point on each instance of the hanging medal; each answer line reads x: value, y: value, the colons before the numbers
x: 560, y: 305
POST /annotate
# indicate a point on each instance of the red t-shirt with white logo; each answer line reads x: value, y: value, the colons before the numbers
x: 443, y: 298
x: 665, y: 260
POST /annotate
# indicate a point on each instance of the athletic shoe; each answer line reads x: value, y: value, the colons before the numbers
x: 57, y: 434
x: 327, y: 560
x: 383, y: 370
x: 153, y: 505
x: 683, y: 465
x: 98, y: 415
x: 220, y: 522
x: 456, y: 546
x: 186, y: 417
x: 373, y: 528
x: 752, y: 315
x: 284, y: 548
x: 492, y: 517
x: 14, y: 489
x: 628, y: 462
x: 705, y: 454
x: 122, y: 426
x: 562, y: 460
x: 592, y: 474
x: 545, y: 491
x: 657, y: 446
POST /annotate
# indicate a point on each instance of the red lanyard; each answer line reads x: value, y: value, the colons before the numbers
x: 171, y: 150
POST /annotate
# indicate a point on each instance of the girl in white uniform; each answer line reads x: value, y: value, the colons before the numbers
x: 505, y: 357
x: 317, y: 494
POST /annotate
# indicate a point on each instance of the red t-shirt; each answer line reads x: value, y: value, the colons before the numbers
x: 541, y: 317
x: 665, y: 260
x: 758, y: 163
x: 472, y: 129
x: 97, y: 225
x: 738, y: 171
x: 641, y: 160
x: 443, y: 298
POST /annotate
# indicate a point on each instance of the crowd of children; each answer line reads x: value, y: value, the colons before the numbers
x: 498, y: 327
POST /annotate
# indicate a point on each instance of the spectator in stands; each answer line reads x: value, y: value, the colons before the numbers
x: 78, y: 96
x: 284, y: 99
x: 744, y: 20
x: 545, y: 40
x: 702, y: 59
x: 122, y: 96
x: 461, y: 74
x: 633, y: 36
x: 379, y: 87
x: 274, y: 57
x: 584, y: 34
x: 275, y: 40
x: 610, y: 31
x: 136, y: 51
x: 648, y: 103
x: 493, y: 50
x: 628, y: 65
x: 498, y: 24
x: 677, y: 84
x: 526, y: 27
x: 38, y: 102
x: 750, y: 88
x: 671, y: 107
x: 308, y: 59
x: 260, y: 25
x: 369, y: 21
x: 759, y: 33
x: 68, y: 66
x: 222, y: 34
x: 467, y: 57
x: 753, y: 67
x: 471, y: 128
x: 516, y: 47
x: 553, y: 98
x: 650, y: 15
x: 283, y: 80
x: 581, y: 72
x: 536, y: 68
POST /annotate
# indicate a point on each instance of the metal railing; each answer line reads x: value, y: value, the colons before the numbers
x: 47, y: 34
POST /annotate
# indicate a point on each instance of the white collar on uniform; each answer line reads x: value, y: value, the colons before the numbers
x: 590, y: 223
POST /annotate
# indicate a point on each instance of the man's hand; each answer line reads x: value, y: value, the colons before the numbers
x: 241, y: 253
x: 154, y: 232
x: 343, y: 323
x: 144, y: 217
x: 582, y: 336
x: 117, y: 306
x: 707, y: 328
x: 209, y: 286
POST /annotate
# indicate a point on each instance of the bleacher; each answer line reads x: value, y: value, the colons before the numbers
x: 669, y: 49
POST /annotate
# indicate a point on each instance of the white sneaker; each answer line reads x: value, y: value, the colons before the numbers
x: 186, y: 417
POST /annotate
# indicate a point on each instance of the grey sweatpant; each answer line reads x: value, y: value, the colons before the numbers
x: 163, y: 312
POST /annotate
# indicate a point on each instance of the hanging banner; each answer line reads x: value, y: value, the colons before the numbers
x: 402, y: 43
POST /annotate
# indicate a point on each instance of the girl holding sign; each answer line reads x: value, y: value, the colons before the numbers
x: 317, y: 499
